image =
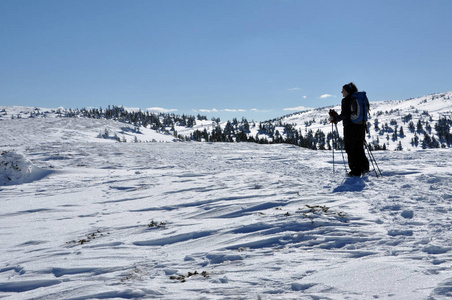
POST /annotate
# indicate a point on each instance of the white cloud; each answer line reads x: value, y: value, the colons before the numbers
x: 233, y: 110
x: 298, y: 108
x: 214, y: 110
x: 160, y: 109
x: 326, y: 96
x: 294, y: 89
x: 208, y: 110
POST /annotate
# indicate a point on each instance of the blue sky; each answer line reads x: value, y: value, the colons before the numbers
x: 259, y: 59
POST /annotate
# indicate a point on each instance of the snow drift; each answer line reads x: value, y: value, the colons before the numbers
x: 214, y: 221
x: 16, y: 169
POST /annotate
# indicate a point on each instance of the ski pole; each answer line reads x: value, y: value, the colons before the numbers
x: 342, y: 152
x: 332, y: 142
x: 372, y: 159
x: 378, y: 168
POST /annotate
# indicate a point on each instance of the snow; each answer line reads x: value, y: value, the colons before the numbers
x: 85, y: 217
x: 388, y: 123
x: 16, y: 169
x: 427, y: 109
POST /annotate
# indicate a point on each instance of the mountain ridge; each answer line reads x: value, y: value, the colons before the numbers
x: 422, y: 122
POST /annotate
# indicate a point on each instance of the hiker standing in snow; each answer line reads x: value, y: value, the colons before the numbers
x: 354, y: 134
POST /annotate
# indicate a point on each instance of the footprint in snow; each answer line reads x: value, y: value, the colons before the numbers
x: 351, y: 184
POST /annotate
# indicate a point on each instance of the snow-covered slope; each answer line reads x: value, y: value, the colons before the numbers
x: 47, y: 124
x: 191, y: 220
x: 393, y: 125
x: 418, y: 123
x: 427, y: 109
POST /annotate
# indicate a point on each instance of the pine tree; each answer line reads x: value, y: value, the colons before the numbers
x: 411, y: 126
x: 428, y: 128
x: 415, y: 140
x: 407, y: 118
x: 426, y: 142
x: 401, y: 133
x: 419, y: 127
x: 394, y: 134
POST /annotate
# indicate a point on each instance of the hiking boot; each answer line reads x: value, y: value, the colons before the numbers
x: 354, y: 174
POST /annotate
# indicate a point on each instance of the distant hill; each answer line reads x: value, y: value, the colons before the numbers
x: 423, y: 122
x: 389, y: 119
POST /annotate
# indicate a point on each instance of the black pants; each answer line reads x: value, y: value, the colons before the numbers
x: 354, y: 136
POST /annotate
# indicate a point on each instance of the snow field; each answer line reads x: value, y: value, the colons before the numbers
x: 218, y: 221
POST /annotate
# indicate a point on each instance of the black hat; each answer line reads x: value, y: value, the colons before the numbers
x: 350, y: 88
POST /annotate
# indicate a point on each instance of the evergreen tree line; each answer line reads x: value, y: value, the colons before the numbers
x: 159, y: 121
x: 268, y: 132
x: 233, y: 131
x: 423, y: 131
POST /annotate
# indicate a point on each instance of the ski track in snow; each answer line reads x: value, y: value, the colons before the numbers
x: 131, y: 221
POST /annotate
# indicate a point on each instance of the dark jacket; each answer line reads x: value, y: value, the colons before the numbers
x: 354, y: 139
x: 346, y: 111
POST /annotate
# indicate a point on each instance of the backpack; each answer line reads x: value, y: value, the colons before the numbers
x: 359, y: 108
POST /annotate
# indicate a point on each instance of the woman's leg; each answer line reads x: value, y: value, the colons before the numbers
x: 353, y: 149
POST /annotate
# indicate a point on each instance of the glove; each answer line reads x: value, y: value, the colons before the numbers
x: 333, y: 116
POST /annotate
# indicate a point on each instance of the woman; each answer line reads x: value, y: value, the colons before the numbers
x: 354, y: 134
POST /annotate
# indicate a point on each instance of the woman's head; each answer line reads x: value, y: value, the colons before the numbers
x: 349, y: 88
